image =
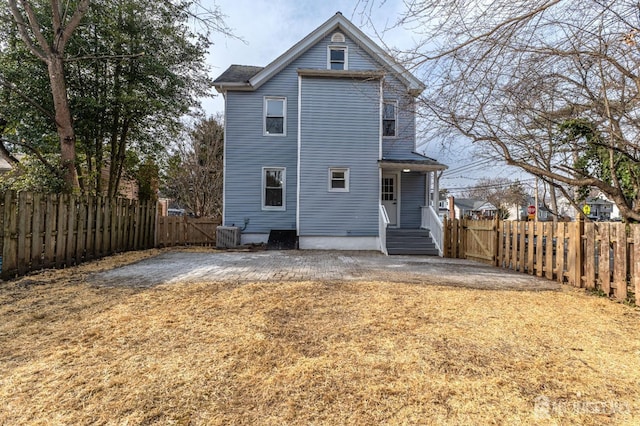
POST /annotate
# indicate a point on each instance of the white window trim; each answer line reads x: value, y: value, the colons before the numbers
x: 263, y: 189
x: 345, y: 170
x: 338, y: 47
x: 395, y: 111
x: 264, y: 115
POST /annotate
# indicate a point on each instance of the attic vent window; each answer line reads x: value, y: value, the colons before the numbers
x: 337, y: 38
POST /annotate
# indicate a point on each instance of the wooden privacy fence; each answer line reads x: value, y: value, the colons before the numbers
x: 184, y: 230
x: 44, y: 231
x: 603, y: 256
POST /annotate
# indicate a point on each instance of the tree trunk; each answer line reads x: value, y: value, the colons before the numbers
x: 64, y: 123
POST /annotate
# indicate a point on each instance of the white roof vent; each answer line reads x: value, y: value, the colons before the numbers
x: 337, y: 38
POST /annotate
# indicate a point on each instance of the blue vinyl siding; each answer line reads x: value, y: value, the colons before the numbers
x: 351, y: 141
x: 398, y: 148
x: 340, y: 128
x: 412, y: 195
x: 248, y: 151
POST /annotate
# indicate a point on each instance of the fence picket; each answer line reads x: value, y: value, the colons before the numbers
x: 10, y: 246
x: 635, y: 273
x: 61, y: 229
x: 560, y: 251
x: 522, y: 246
x: 604, y: 269
x: 36, y: 231
x: 23, y: 231
x: 71, y: 232
x: 590, y: 255
x: 548, y: 250
x: 81, y: 234
x: 620, y: 261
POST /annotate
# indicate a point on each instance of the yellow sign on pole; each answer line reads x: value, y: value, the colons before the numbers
x: 586, y: 209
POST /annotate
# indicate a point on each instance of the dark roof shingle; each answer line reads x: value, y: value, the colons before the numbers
x: 238, y: 74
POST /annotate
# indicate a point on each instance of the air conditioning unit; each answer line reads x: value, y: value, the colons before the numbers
x: 227, y: 237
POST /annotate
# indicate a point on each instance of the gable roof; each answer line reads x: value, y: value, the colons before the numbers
x: 337, y: 21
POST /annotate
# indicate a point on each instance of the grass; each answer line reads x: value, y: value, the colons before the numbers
x: 72, y: 352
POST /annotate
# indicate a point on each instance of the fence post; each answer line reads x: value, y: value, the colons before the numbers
x: 579, y: 252
x: 446, y: 244
x: 496, y: 230
x: 636, y: 261
x: 10, y: 244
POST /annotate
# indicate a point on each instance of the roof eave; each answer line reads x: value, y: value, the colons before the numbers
x: 411, y: 165
x: 222, y: 87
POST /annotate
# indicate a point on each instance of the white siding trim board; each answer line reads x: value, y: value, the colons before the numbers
x: 298, y: 156
x: 224, y: 163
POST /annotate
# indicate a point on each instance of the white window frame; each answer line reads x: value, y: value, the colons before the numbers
x: 344, y: 170
x: 284, y: 118
x: 395, y: 118
x: 284, y: 189
x: 346, y: 55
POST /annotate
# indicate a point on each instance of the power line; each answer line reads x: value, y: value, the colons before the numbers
x: 490, y: 186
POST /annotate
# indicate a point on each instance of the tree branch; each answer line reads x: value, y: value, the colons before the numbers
x: 24, y: 35
x: 101, y: 57
x: 73, y: 23
x: 33, y: 103
x: 40, y: 157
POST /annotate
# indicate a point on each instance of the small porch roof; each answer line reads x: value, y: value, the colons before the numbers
x: 413, y: 161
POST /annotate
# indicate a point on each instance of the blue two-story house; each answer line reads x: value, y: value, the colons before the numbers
x: 322, y: 142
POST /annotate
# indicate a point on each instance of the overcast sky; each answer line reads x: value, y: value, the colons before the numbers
x: 269, y: 28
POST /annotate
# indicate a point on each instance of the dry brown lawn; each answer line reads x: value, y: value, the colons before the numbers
x: 311, y: 353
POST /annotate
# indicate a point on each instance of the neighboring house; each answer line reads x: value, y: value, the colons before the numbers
x: 320, y: 139
x: 472, y: 208
x: 443, y: 208
x: 6, y: 166
x: 128, y: 187
x: 599, y: 208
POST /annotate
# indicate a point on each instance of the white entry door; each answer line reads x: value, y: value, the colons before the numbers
x: 389, y: 196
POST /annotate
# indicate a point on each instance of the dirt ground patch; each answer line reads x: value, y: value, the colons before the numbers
x: 358, y: 352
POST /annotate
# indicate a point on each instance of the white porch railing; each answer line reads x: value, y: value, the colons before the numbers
x: 383, y: 221
x: 432, y: 222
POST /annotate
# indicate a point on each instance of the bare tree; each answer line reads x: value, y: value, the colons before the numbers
x: 550, y: 86
x: 501, y: 192
x: 195, y: 174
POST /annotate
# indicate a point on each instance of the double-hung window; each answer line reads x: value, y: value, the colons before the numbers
x: 337, y: 58
x: 338, y: 179
x: 275, y: 116
x: 274, y: 181
x: 389, y: 118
